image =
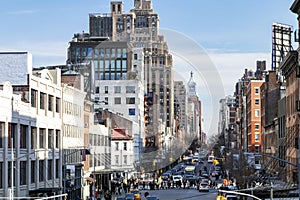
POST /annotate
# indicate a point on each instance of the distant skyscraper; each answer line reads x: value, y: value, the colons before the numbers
x: 180, y: 96
x: 140, y: 28
x: 194, y: 124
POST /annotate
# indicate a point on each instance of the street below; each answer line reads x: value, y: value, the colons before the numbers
x: 182, y: 194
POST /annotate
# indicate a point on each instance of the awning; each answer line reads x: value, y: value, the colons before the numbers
x: 107, y: 171
x: 90, y: 179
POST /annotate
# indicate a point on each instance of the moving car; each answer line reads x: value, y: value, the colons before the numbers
x: 166, y: 176
x: 210, y: 159
x: 231, y: 197
x: 177, y: 178
x: 204, y: 187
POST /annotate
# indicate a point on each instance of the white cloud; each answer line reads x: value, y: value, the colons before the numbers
x: 44, y: 53
x: 228, y: 66
x: 231, y: 66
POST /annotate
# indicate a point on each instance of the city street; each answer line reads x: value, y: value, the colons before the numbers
x: 181, y: 194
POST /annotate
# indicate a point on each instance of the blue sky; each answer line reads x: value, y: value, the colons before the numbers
x: 233, y: 33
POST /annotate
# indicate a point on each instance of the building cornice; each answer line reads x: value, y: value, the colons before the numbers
x: 295, y: 8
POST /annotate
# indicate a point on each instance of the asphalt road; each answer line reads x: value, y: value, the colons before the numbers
x: 182, y: 194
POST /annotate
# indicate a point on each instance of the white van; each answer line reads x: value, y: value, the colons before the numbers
x: 210, y: 159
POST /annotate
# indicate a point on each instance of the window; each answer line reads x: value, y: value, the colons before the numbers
x: 32, y: 172
x: 125, y: 159
x: 50, y: 138
x: 84, y: 52
x: 256, y: 90
x: 57, y: 168
x: 107, y: 53
x: 112, y: 65
x: 9, y: 172
x: 130, y: 100
x: 41, y: 137
x: 256, y: 113
x: 106, y: 100
x: 117, y: 100
x: 33, y: 138
x: 130, y: 89
x: 117, y: 146
x: 113, y: 53
x: 101, y: 53
x: 124, y: 65
x: 97, y: 90
x: 131, y: 111
x: 106, y: 89
x: 57, y: 105
x: 49, y: 170
x: 12, y: 131
x: 41, y: 170
x: 50, y: 102
x: 23, y: 173
x: 256, y: 126
x: 135, y: 56
x: 117, y: 159
x: 107, y: 66
x: 33, y: 98
x: 256, y: 136
x: 42, y: 100
x: 256, y: 101
x: 125, y: 146
x: 23, y: 136
x: 117, y: 89
x: 57, y: 140
x: 119, y: 53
